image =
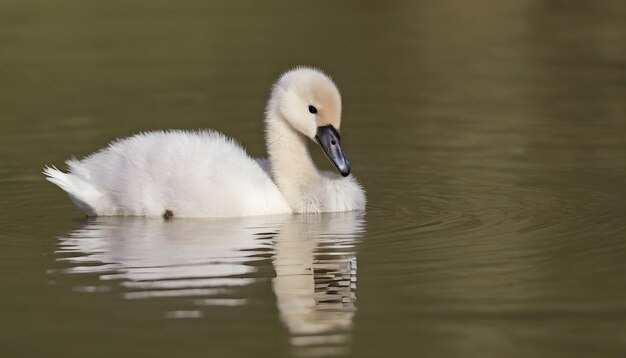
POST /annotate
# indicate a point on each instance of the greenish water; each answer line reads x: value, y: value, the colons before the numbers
x: 491, y: 139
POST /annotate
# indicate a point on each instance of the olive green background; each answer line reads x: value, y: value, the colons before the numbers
x: 490, y: 137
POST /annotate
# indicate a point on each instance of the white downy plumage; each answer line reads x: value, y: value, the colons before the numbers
x: 206, y: 174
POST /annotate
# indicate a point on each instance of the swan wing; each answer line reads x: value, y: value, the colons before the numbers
x: 191, y: 174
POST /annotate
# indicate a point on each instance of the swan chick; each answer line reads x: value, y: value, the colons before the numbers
x: 175, y: 173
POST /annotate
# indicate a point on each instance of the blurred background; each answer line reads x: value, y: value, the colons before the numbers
x: 490, y: 137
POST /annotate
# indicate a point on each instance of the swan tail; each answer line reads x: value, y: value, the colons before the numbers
x: 84, y: 195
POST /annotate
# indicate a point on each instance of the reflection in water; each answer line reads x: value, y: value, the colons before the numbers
x: 212, y: 261
x: 315, y: 280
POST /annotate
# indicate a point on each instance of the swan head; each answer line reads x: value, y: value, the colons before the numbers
x: 309, y: 101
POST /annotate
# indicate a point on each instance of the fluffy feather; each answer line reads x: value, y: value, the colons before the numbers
x: 193, y: 174
x: 206, y: 174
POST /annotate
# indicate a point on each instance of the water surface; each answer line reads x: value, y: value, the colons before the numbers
x: 490, y: 137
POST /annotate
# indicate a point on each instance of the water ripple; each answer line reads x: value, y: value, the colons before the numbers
x: 310, y: 262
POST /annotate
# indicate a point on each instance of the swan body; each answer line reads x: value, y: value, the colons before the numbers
x: 206, y: 174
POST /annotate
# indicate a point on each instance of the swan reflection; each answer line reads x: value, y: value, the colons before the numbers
x: 210, y: 262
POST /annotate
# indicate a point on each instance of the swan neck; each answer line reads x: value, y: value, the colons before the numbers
x: 293, y: 170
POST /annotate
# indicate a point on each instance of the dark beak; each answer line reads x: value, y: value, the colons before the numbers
x: 328, y: 139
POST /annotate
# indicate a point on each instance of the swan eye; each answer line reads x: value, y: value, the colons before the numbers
x: 312, y: 109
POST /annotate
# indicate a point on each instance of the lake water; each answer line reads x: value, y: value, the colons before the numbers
x: 490, y: 137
